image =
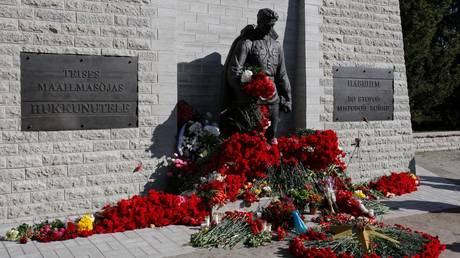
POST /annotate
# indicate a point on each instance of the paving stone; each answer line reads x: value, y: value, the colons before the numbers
x: 84, y: 250
x: 70, y: 243
x: 29, y: 248
x: 103, y: 247
x: 118, y: 254
x: 137, y: 252
x: 152, y: 240
x: 82, y: 241
x: 150, y: 250
x: 131, y: 234
x: 4, y: 253
x: 30, y: 255
x: 15, y: 251
x: 63, y: 253
x: 49, y: 254
x: 178, y: 252
x: 101, y: 238
x: 116, y: 245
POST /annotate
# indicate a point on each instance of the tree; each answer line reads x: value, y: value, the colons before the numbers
x: 431, y: 31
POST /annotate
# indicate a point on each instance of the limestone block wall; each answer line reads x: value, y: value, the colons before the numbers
x: 437, y: 141
x: 367, y: 33
x: 49, y: 174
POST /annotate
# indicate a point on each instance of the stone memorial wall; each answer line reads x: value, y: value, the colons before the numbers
x: 180, y: 47
x: 367, y: 34
x: 66, y: 172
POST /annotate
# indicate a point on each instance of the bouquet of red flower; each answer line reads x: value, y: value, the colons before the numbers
x: 397, y: 184
x: 246, y: 155
x: 236, y: 227
x: 348, y: 204
x: 278, y: 213
x: 259, y: 85
x: 410, y: 243
x: 315, y: 151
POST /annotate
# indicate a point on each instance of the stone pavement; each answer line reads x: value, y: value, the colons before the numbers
x: 435, y: 194
x: 158, y: 242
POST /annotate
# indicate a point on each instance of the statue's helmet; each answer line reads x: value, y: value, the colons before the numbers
x: 267, y: 16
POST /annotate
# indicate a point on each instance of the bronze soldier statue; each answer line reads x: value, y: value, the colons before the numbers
x: 257, y: 46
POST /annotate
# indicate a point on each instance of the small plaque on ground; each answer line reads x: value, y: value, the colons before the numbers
x: 78, y: 92
x: 363, y: 94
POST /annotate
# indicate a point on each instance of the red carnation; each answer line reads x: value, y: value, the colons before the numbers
x: 260, y: 86
x: 249, y: 197
x: 281, y: 233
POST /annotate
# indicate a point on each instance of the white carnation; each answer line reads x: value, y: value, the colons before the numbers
x: 246, y: 76
x: 267, y: 189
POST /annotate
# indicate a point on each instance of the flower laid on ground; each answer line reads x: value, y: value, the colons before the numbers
x: 279, y: 213
x: 157, y: 208
x: 235, y: 227
x: 347, y: 203
x: 316, y: 151
x: 396, y: 184
x: 359, y: 194
x: 416, y: 178
x: 12, y: 235
x: 280, y: 233
x: 386, y: 241
x: 249, y: 197
x: 247, y: 155
x: 85, y: 223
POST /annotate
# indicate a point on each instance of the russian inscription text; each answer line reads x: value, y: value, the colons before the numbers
x: 363, y: 94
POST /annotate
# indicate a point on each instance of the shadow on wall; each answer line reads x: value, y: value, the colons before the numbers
x: 290, y: 53
x: 199, y: 83
x: 163, y: 144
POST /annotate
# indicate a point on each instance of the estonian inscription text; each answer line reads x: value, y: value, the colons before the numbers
x: 80, y: 108
x: 88, y: 87
x: 74, y: 92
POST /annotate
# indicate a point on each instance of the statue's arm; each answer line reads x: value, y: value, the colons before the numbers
x: 283, y: 84
x: 236, y: 65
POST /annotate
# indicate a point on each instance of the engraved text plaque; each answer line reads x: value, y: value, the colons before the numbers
x: 363, y: 94
x: 78, y: 92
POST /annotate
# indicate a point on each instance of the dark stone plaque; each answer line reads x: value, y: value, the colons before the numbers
x: 75, y: 92
x: 363, y: 94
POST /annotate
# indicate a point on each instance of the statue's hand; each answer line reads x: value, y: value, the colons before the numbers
x: 286, y: 109
x: 286, y: 106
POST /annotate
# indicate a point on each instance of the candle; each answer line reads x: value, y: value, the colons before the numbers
x: 215, y: 218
